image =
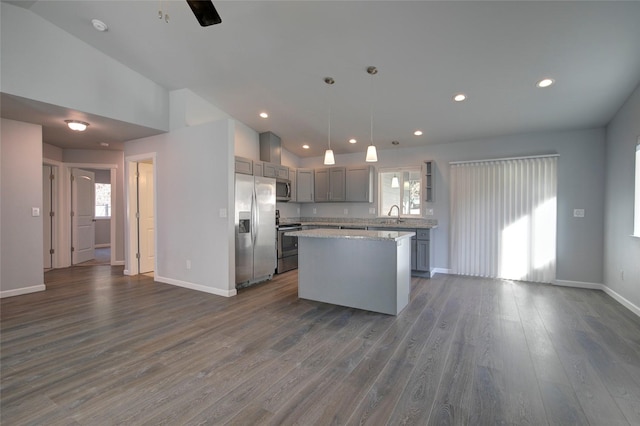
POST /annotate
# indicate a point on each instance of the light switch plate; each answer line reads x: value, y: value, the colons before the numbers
x: 578, y: 212
x: 35, y: 211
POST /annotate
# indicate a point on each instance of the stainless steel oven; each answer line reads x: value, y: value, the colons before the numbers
x: 287, y: 248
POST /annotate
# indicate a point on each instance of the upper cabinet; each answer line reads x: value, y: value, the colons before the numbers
x: 429, y: 184
x: 244, y: 165
x: 275, y: 171
x: 359, y: 184
x: 304, y: 186
x: 329, y: 184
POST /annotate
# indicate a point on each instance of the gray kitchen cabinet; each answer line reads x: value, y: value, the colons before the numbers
x: 258, y: 168
x: 304, y: 186
x: 294, y: 189
x: 244, y: 165
x: 359, y: 184
x: 429, y: 184
x: 420, y: 249
x: 329, y: 184
x: 276, y: 171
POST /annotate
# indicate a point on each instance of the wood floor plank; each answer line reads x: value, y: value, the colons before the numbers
x: 98, y: 347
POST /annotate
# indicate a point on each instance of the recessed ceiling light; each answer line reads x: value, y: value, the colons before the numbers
x: 105, y: 144
x: 99, y: 25
x: 264, y: 115
x: 352, y: 140
x: 78, y: 126
x: 418, y: 133
x: 460, y: 97
x: 305, y: 146
x: 545, y: 82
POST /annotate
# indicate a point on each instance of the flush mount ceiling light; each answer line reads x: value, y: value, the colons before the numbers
x: 305, y: 146
x: 78, y: 126
x: 328, y: 154
x: 372, y: 154
x: 418, y: 133
x: 104, y: 144
x: 545, y: 82
x: 460, y: 97
x: 352, y: 141
x: 264, y: 115
x: 99, y: 25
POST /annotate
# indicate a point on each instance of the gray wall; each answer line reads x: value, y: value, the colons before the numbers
x: 580, y: 185
x: 42, y: 62
x: 622, y: 252
x: 194, y: 182
x: 21, y: 243
x: 86, y: 156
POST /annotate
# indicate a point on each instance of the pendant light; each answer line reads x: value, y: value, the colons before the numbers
x: 328, y: 154
x: 395, y: 183
x: 372, y: 155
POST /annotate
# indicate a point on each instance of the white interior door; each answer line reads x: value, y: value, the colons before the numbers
x: 46, y: 218
x: 82, y: 219
x: 147, y: 219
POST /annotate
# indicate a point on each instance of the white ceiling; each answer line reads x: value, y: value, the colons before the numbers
x: 273, y: 56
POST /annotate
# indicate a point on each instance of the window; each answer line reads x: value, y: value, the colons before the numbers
x: 103, y: 200
x: 407, y: 194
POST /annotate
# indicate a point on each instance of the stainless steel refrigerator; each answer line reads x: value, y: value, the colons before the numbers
x: 255, y: 218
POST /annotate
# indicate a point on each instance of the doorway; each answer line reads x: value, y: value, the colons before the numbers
x: 141, y: 229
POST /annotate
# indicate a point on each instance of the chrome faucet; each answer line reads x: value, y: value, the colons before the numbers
x: 391, y: 209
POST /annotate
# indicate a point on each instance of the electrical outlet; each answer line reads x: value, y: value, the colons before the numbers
x: 35, y: 211
x: 346, y: 211
x: 578, y: 212
x: 314, y: 210
x: 372, y: 210
x: 298, y: 211
x: 188, y: 264
x: 429, y: 212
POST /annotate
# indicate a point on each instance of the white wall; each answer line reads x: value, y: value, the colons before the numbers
x: 42, y: 62
x: 21, y: 243
x: 194, y: 183
x: 580, y: 185
x: 622, y: 252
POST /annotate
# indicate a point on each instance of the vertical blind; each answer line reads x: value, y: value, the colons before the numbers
x: 504, y: 218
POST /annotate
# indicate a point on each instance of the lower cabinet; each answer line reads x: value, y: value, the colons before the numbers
x: 420, y: 250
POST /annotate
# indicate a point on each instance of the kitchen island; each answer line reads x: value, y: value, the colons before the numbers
x: 368, y: 270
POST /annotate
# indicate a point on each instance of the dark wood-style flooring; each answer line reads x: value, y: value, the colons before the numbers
x: 99, y: 348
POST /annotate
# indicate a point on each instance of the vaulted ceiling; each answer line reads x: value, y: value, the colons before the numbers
x: 273, y: 56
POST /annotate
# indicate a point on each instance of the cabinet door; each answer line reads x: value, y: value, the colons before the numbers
x: 337, y: 184
x: 304, y: 185
x: 269, y: 170
x: 359, y: 183
x: 294, y: 186
x: 321, y: 185
x: 414, y: 255
x: 244, y: 166
x: 422, y: 255
x: 283, y: 172
x: 257, y: 168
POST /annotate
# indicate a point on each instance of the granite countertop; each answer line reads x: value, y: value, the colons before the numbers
x: 378, y: 223
x: 352, y: 234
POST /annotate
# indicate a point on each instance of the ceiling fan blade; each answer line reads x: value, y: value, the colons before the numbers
x: 205, y: 12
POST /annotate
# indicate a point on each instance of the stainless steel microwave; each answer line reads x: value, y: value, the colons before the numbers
x: 283, y: 190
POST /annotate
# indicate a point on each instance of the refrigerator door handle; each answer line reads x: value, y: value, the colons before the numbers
x: 256, y: 212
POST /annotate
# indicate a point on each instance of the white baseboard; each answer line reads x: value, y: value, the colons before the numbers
x: 198, y: 287
x: 620, y: 299
x: 102, y: 245
x: 21, y: 291
x: 595, y: 286
x: 118, y: 263
x: 578, y: 284
x: 440, y: 271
